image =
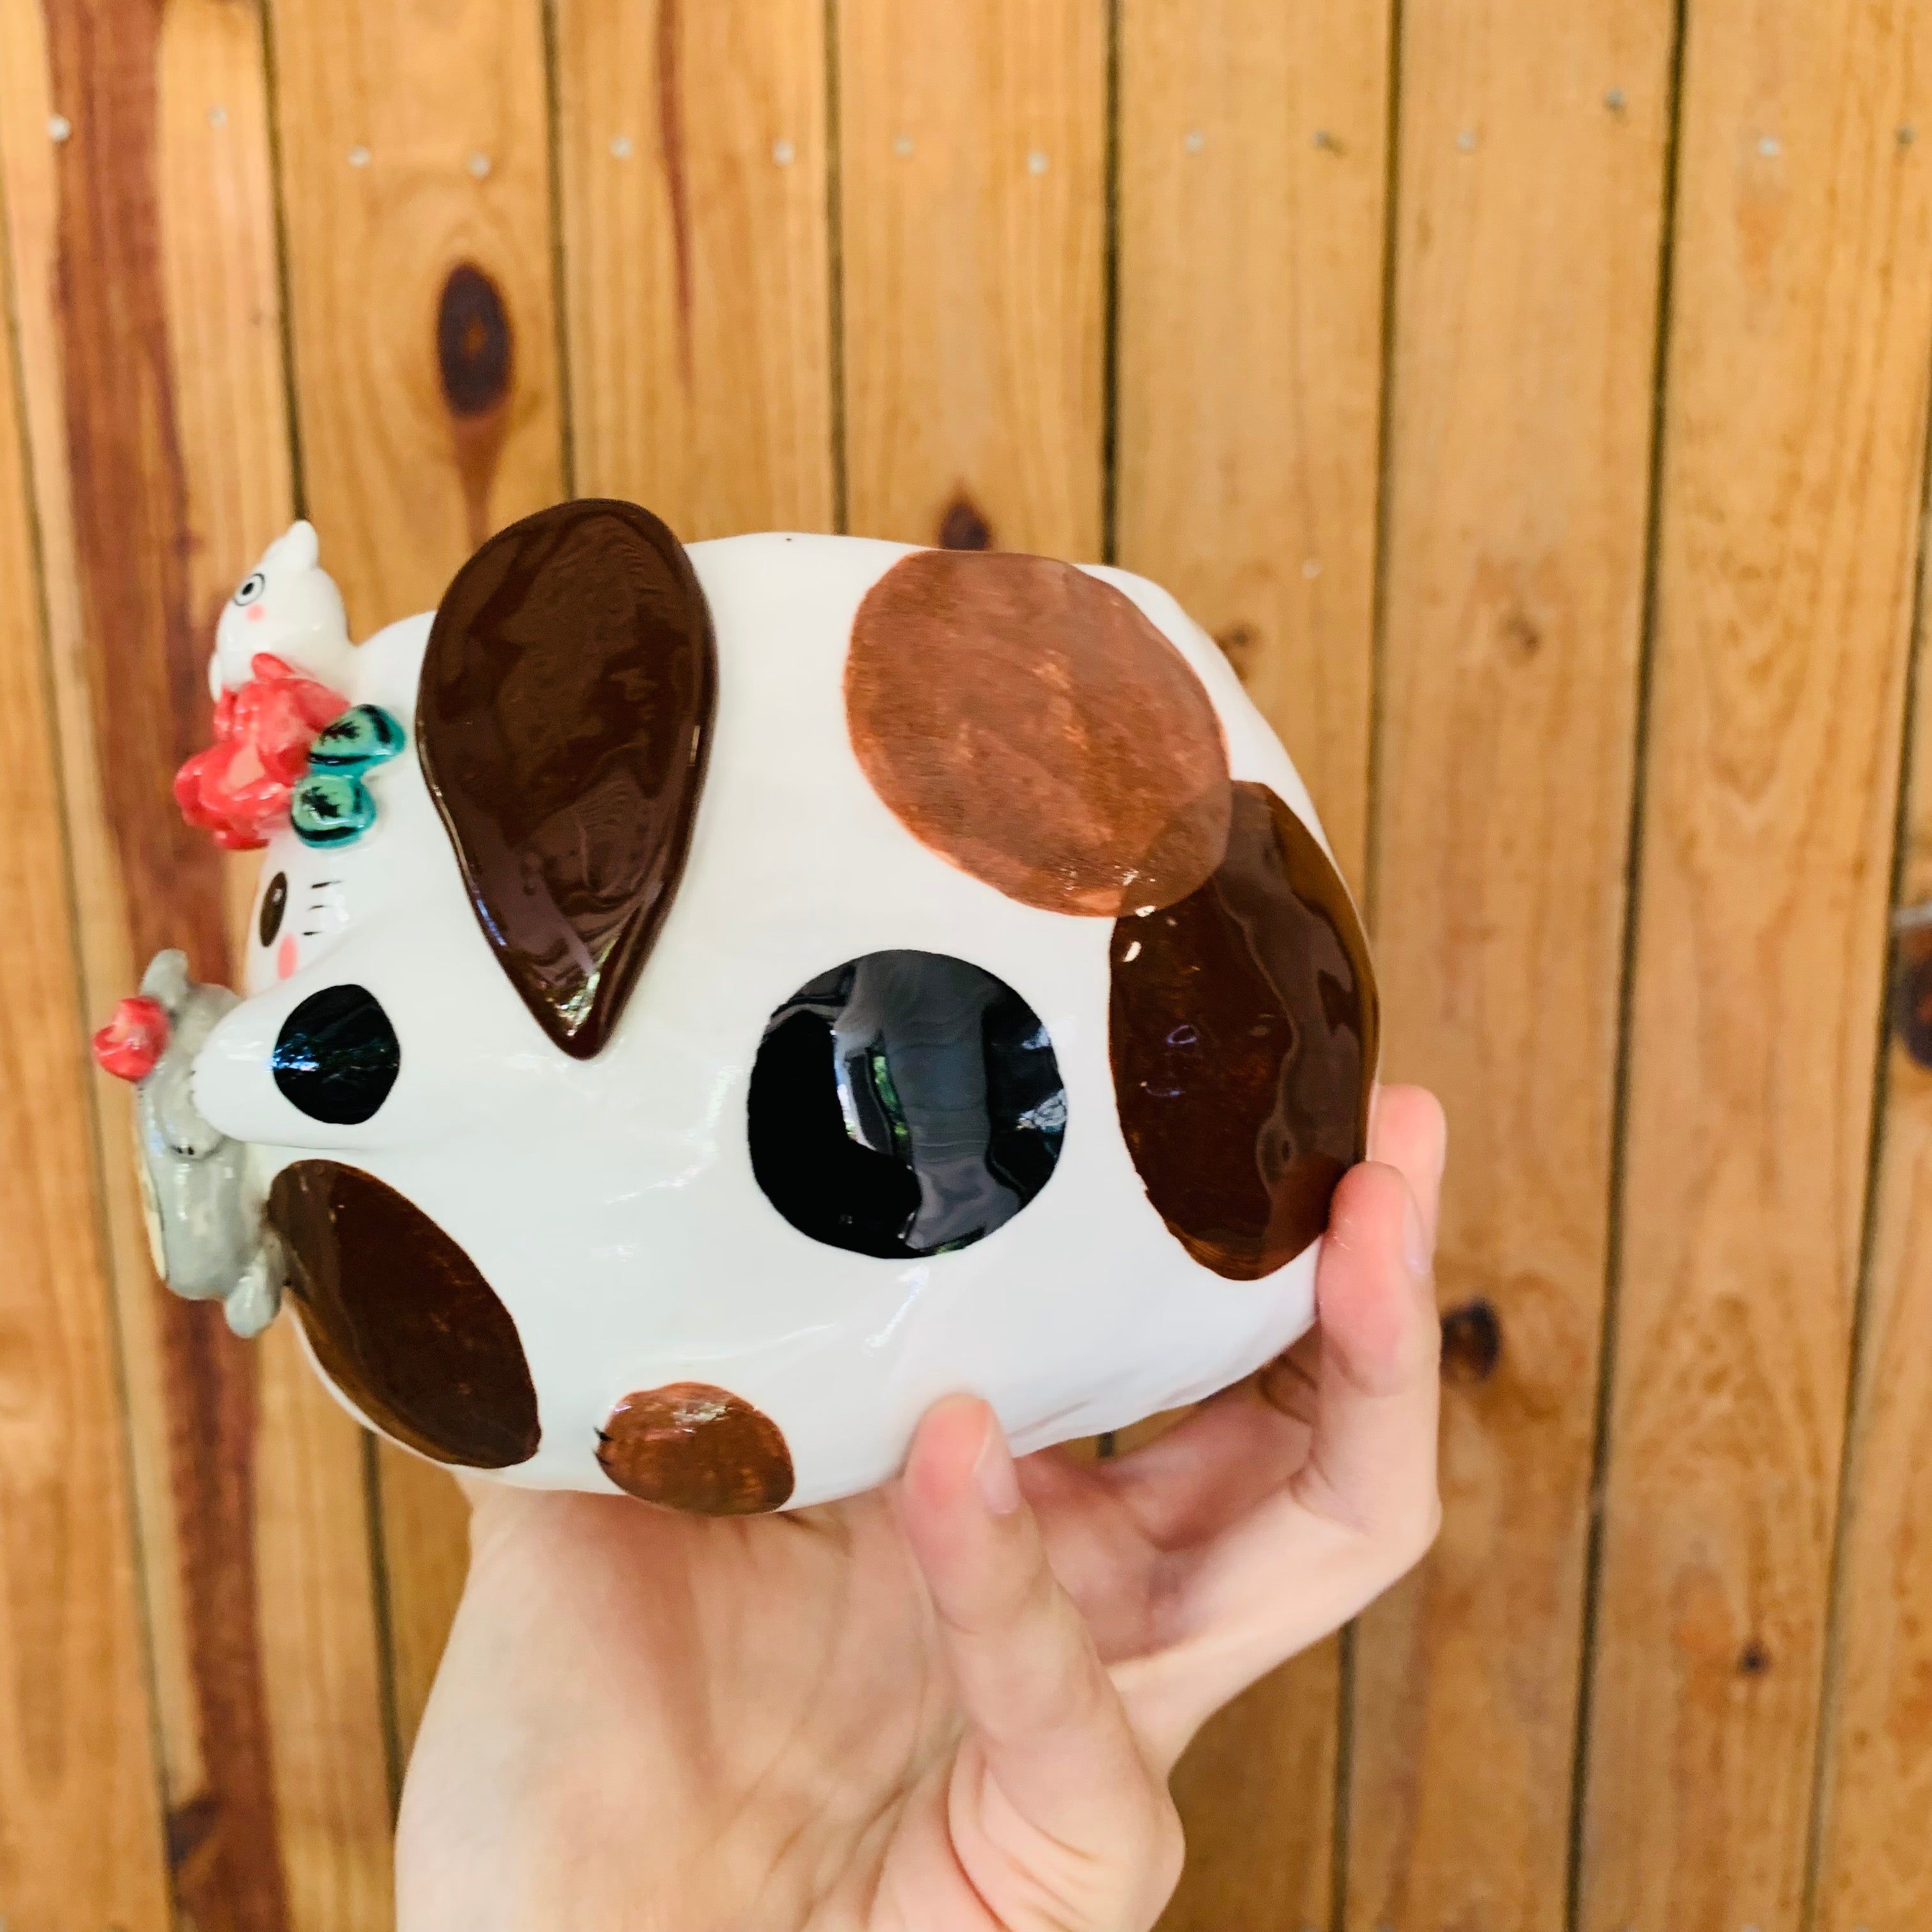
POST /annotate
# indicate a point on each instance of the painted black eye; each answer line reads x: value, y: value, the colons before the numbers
x: 252, y: 585
x: 274, y: 903
x: 904, y: 1104
x: 337, y: 1056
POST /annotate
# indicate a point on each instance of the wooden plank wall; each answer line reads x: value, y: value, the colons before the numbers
x: 1532, y: 400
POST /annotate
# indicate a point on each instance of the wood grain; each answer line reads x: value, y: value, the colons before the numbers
x: 693, y: 143
x: 154, y: 225
x: 81, y: 1836
x: 1795, y: 416
x: 1250, y: 315
x: 1530, y: 212
x: 973, y: 220
x: 414, y: 150
x: 1876, y: 1867
x: 1253, y: 152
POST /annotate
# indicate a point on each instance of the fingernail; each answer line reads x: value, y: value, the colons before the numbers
x: 999, y: 1482
x: 1415, y: 1243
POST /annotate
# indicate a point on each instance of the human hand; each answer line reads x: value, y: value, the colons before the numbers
x: 948, y: 1706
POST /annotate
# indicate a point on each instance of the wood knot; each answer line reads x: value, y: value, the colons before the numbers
x: 473, y: 342
x: 963, y: 525
x: 1911, y: 992
x: 1753, y: 1660
x: 1239, y: 644
x: 1472, y: 1342
x: 1521, y: 638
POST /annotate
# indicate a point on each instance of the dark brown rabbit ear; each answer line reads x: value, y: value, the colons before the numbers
x: 562, y: 722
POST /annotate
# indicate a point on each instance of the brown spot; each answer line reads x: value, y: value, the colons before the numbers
x: 1912, y: 993
x: 692, y: 1446
x: 963, y: 526
x: 146, y: 661
x: 1521, y: 638
x: 677, y: 191
x: 563, y: 720
x: 473, y: 342
x: 401, y: 1320
x: 1239, y: 644
x: 1242, y: 1028
x: 1472, y: 1342
x: 1753, y: 1660
x: 476, y: 359
x: 1027, y: 723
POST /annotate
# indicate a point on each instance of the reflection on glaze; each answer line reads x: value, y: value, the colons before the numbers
x: 274, y: 903
x: 690, y: 1446
x: 904, y: 1104
x: 401, y: 1319
x: 1242, y: 1033
x: 336, y: 1055
x: 1026, y: 721
x: 562, y: 720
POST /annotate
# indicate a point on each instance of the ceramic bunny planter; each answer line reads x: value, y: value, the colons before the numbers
x: 705, y: 1004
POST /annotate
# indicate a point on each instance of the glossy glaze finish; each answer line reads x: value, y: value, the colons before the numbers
x: 694, y: 1447
x: 401, y: 1320
x: 611, y: 1203
x: 269, y: 916
x: 337, y: 1056
x: 1026, y: 721
x: 1243, y: 1030
x: 904, y: 1104
x: 563, y: 717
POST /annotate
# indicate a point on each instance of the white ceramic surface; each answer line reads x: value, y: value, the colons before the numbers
x: 610, y: 1202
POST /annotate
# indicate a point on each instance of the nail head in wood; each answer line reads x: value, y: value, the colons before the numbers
x: 783, y: 153
x: 59, y: 128
x: 1036, y: 162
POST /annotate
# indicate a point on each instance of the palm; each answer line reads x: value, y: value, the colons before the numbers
x: 809, y: 1722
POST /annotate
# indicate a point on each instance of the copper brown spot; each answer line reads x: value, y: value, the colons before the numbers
x: 1911, y: 992
x: 401, y: 1319
x: 1242, y: 1034
x: 690, y: 1446
x: 476, y: 361
x: 1025, y: 721
x: 563, y: 720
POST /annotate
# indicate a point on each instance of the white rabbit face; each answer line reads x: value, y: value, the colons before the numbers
x: 709, y: 1055
x: 287, y: 606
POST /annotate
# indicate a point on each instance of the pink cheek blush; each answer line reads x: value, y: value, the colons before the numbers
x: 285, y: 957
x: 257, y: 613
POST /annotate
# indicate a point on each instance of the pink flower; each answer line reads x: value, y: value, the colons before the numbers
x: 239, y: 788
x: 129, y: 1045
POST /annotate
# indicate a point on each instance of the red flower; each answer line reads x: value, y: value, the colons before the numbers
x: 129, y: 1045
x: 239, y: 788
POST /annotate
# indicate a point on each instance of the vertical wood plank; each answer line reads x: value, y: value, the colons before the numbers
x: 693, y: 145
x: 1796, y: 402
x: 144, y: 247
x: 415, y: 181
x: 1250, y: 318
x: 1530, y: 211
x: 416, y: 188
x: 80, y: 1809
x: 973, y: 218
x: 1253, y: 152
x: 1876, y: 1866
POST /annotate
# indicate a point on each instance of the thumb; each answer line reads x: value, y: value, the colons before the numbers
x: 1052, y: 1796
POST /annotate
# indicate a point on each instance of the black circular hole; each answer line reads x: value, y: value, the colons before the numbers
x: 904, y: 1104
x: 336, y: 1056
x: 274, y: 903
